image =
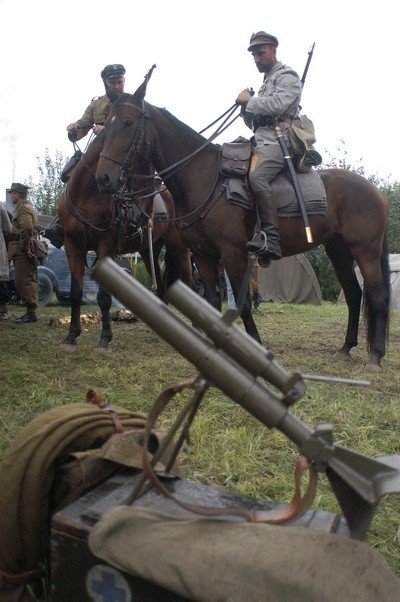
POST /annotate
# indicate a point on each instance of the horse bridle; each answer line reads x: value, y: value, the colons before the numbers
x: 140, y: 138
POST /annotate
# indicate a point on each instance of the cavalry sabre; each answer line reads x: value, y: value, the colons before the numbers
x: 289, y: 162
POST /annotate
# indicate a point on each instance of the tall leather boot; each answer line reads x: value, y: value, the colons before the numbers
x: 266, y: 243
x: 55, y: 233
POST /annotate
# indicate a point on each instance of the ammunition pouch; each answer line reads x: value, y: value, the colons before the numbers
x: 235, y: 159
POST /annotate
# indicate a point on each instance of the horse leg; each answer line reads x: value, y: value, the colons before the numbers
x: 376, y: 275
x: 343, y: 264
x: 236, y: 274
x: 77, y: 268
x: 247, y: 315
x: 209, y: 275
x: 178, y: 265
x: 255, y: 294
x: 104, y: 301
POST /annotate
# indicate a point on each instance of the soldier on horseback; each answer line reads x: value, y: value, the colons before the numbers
x: 96, y: 113
x: 93, y: 119
x: 277, y: 103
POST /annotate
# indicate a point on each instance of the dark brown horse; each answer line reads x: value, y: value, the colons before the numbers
x: 352, y: 229
x: 93, y: 220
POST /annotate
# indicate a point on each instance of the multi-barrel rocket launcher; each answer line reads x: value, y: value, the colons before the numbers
x: 227, y: 358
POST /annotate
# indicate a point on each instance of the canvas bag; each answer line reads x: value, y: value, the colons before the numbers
x: 41, y: 248
x: 302, y: 137
x: 221, y: 560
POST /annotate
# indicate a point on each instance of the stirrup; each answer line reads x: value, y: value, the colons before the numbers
x: 258, y: 244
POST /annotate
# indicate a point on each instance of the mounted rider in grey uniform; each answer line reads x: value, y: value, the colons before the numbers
x: 277, y: 103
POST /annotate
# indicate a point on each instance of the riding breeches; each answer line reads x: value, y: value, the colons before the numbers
x: 26, y: 279
x: 270, y: 162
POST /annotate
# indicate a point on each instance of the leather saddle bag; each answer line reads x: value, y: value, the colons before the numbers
x: 235, y: 159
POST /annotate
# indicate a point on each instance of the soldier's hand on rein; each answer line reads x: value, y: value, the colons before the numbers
x: 244, y: 97
x: 97, y: 129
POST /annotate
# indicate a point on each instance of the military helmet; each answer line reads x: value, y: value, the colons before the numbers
x: 260, y: 38
x: 113, y: 71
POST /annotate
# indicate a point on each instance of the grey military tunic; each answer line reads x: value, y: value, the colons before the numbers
x: 279, y: 96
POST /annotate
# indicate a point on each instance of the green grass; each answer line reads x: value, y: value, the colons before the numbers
x: 228, y: 446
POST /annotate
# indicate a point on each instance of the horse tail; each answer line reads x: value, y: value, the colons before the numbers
x: 370, y: 312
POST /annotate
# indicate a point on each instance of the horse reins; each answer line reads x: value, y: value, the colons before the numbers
x: 169, y: 172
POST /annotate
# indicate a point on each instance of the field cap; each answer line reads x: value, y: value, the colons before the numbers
x: 17, y: 187
x: 113, y: 71
x: 260, y: 38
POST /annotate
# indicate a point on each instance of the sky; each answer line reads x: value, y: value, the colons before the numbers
x: 52, y: 53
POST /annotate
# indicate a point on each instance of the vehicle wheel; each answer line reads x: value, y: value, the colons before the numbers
x: 45, y: 289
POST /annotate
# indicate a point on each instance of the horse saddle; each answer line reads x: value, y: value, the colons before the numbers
x: 238, y: 190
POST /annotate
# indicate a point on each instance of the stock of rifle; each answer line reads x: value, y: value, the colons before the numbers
x: 227, y: 358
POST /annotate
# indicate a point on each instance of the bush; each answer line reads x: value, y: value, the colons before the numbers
x: 330, y: 287
x: 141, y: 274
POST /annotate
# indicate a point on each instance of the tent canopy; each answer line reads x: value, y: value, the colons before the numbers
x: 394, y: 264
x: 290, y: 280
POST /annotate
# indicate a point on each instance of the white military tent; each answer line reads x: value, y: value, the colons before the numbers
x: 394, y: 264
x: 290, y: 280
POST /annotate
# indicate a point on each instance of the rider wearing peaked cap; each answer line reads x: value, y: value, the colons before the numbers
x: 276, y: 104
x: 113, y: 71
x: 96, y: 112
x: 260, y: 38
x: 93, y: 119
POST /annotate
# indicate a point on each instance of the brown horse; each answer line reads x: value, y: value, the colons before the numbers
x: 95, y: 221
x: 352, y: 229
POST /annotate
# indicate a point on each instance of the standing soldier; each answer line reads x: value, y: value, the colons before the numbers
x: 20, y: 251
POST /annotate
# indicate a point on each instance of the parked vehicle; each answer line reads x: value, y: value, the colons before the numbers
x: 55, y: 278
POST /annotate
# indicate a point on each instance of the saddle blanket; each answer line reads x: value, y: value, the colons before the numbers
x: 311, y: 185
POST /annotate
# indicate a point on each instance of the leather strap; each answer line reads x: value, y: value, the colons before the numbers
x: 95, y: 397
x: 21, y: 578
x: 295, y: 509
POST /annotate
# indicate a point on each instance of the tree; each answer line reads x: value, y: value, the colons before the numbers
x: 45, y: 194
x: 330, y: 287
x: 392, y: 193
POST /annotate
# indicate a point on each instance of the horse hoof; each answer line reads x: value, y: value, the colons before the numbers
x: 103, y: 348
x: 373, y: 367
x: 342, y: 355
x: 69, y: 347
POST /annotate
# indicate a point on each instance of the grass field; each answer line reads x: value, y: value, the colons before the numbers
x: 228, y: 447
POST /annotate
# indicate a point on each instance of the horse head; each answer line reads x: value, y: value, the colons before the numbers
x: 125, y: 144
